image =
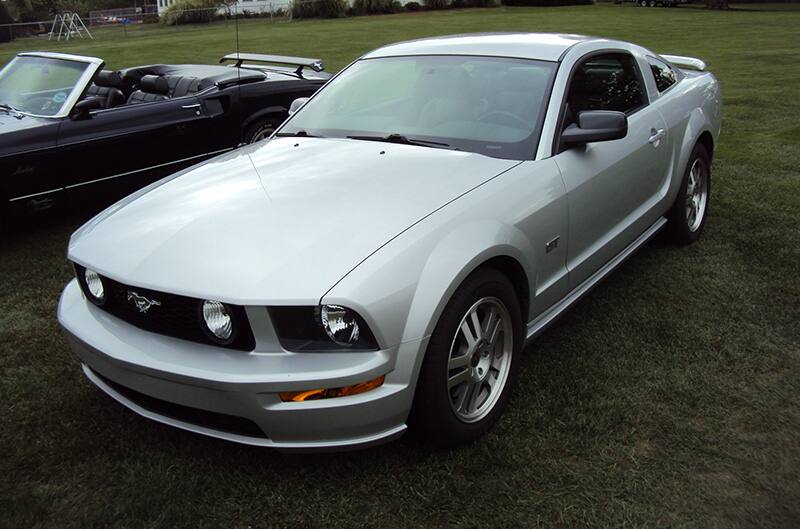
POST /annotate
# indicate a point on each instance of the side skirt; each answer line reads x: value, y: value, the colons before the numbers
x: 552, y: 314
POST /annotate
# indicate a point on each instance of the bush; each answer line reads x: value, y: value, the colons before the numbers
x: 547, y: 3
x: 319, y: 8
x: 190, y: 12
x: 150, y: 18
x: 413, y: 6
x: 374, y: 7
x: 437, y: 4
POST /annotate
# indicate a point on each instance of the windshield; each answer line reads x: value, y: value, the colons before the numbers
x: 39, y: 85
x: 488, y: 105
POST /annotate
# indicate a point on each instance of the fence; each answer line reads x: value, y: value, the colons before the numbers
x: 107, y: 25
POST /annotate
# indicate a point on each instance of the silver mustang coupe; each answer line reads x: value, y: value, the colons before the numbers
x: 384, y: 257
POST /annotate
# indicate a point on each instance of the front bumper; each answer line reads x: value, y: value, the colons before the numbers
x: 233, y: 395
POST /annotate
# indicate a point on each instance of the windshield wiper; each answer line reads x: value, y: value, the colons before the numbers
x: 399, y: 138
x: 299, y: 133
x: 11, y: 109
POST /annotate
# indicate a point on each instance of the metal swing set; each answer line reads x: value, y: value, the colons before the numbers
x: 68, y: 24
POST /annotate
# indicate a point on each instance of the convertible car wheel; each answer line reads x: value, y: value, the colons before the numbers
x: 471, y: 361
x: 688, y: 215
x: 261, y: 130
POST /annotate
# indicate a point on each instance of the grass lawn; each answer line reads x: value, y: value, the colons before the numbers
x: 669, y: 397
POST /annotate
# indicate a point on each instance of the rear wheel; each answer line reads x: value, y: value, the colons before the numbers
x: 471, y: 362
x: 261, y: 129
x: 688, y: 215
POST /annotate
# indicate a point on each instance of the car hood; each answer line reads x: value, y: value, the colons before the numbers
x: 19, y: 134
x: 276, y: 222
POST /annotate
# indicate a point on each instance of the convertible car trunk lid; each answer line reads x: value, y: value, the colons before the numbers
x: 276, y: 222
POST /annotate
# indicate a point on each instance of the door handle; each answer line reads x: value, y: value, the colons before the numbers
x: 194, y: 106
x: 655, y: 136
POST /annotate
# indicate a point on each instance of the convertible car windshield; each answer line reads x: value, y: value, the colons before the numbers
x: 39, y: 85
x: 488, y: 105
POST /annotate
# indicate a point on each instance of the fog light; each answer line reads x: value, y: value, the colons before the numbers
x: 94, y: 285
x: 317, y: 394
x: 218, y: 320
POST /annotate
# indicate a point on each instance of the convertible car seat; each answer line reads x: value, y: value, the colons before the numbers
x: 151, y: 88
x: 180, y: 86
x: 158, y: 87
x: 109, y: 86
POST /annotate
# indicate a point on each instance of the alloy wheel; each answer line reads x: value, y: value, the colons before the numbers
x: 480, y: 359
x: 696, y: 195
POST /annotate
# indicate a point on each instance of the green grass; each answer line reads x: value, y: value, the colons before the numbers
x: 669, y: 397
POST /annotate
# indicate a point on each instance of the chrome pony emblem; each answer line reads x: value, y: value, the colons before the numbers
x: 141, y: 302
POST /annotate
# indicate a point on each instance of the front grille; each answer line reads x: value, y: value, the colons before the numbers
x: 177, y: 316
x: 208, y: 419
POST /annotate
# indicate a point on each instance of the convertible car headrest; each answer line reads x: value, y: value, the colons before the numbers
x: 154, y: 84
x: 109, y: 79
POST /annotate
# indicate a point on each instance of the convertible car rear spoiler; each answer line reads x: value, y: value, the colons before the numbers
x: 300, y: 62
x: 692, y: 63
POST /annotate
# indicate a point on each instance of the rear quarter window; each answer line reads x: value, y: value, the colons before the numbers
x: 664, y: 74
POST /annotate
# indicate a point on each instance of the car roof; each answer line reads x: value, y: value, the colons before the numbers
x: 541, y: 46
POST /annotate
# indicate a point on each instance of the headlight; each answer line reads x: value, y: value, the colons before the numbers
x: 340, y: 324
x: 218, y: 320
x: 323, y: 328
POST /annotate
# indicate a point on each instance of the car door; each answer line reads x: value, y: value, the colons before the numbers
x: 612, y: 187
x: 29, y: 178
x: 127, y: 147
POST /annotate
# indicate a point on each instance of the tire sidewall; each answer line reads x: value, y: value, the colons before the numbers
x: 431, y: 410
x: 258, y: 126
x: 678, y: 226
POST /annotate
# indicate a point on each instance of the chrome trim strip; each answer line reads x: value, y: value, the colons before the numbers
x: 149, y: 168
x: 212, y: 153
x: 550, y: 315
x: 36, y: 194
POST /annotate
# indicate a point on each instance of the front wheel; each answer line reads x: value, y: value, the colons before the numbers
x: 688, y: 215
x: 260, y: 130
x: 471, y: 361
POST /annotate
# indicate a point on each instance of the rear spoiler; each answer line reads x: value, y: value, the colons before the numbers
x: 686, y: 62
x: 300, y: 62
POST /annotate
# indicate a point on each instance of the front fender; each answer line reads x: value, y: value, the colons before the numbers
x: 402, y: 289
x: 459, y: 254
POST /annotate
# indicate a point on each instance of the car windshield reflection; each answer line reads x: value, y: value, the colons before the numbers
x: 39, y: 85
x: 488, y: 105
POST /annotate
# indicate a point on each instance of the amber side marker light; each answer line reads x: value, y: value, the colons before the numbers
x: 317, y: 394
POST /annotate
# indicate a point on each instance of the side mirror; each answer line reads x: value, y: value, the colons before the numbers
x: 83, y: 107
x: 296, y: 104
x: 595, y: 125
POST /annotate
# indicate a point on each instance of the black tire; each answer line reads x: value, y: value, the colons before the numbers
x: 261, y: 129
x: 433, y: 416
x: 679, y: 229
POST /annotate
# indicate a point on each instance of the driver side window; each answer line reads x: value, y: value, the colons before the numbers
x: 605, y: 82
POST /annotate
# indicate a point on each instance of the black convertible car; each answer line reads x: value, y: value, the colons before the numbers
x: 69, y: 129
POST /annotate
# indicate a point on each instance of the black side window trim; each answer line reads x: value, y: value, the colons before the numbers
x: 556, y: 147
